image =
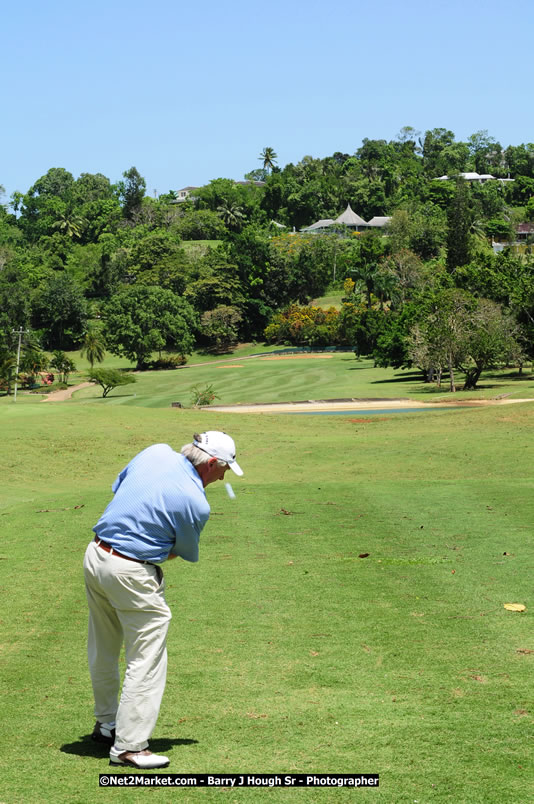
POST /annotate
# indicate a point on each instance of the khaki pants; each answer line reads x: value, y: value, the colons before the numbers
x: 126, y: 604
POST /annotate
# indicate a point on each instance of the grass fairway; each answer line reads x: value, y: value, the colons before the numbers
x: 245, y: 378
x: 288, y: 652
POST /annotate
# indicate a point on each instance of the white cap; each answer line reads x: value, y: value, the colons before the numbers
x: 218, y: 445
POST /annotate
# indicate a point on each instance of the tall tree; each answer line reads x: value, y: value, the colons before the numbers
x: 361, y: 261
x: 142, y: 320
x: 56, y: 182
x: 485, y: 152
x: 439, y: 339
x: 219, y: 326
x: 442, y: 154
x: 460, y: 219
x: 94, y: 346
x: 61, y: 310
x: 131, y: 191
x: 268, y: 157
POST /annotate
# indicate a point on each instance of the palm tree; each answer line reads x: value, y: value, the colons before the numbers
x: 232, y: 215
x: 33, y: 360
x: 69, y: 225
x: 365, y: 272
x: 94, y: 346
x: 268, y: 157
x: 385, y: 284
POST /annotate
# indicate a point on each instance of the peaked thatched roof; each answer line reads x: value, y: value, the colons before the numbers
x: 349, y: 218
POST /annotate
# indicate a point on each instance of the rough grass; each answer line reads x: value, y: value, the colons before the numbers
x: 289, y: 651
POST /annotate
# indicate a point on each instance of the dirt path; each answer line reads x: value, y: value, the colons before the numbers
x: 60, y: 396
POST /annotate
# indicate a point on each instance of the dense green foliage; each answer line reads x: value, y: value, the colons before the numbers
x: 73, y: 249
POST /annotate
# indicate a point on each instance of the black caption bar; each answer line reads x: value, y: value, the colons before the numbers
x: 239, y: 780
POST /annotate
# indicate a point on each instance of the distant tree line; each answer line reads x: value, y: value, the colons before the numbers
x: 85, y: 263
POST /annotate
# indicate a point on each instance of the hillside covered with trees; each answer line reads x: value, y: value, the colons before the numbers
x: 88, y: 263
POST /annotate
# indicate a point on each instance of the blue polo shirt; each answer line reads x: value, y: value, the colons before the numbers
x: 159, y: 507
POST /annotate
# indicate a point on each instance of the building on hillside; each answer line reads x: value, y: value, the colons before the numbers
x: 378, y: 222
x: 350, y: 219
x: 184, y: 194
x: 319, y: 226
x: 476, y: 178
x: 524, y: 234
x: 524, y: 231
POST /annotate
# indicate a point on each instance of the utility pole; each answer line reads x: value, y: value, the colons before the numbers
x: 20, y: 332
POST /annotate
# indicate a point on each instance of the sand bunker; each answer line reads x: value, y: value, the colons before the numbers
x: 319, y: 405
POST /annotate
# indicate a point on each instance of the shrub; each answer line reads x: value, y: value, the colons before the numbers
x: 167, y: 362
x: 201, y: 396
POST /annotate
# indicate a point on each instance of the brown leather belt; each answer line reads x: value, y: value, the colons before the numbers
x: 109, y: 549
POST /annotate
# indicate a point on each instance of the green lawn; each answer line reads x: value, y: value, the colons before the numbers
x: 330, y: 299
x: 289, y: 651
x: 236, y: 380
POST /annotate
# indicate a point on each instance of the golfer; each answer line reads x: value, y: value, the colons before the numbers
x: 157, y: 513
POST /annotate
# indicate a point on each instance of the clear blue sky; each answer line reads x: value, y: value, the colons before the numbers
x: 188, y: 92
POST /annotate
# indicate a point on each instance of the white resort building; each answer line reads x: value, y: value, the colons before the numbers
x: 476, y: 178
x: 350, y: 219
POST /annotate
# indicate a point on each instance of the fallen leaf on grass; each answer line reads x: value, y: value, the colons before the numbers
x: 255, y: 715
x: 521, y: 712
x: 314, y: 653
x: 524, y: 651
x: 363, y: 555
x: 515, y: 607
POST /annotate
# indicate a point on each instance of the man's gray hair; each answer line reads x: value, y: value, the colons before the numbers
x: 198, y: 456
